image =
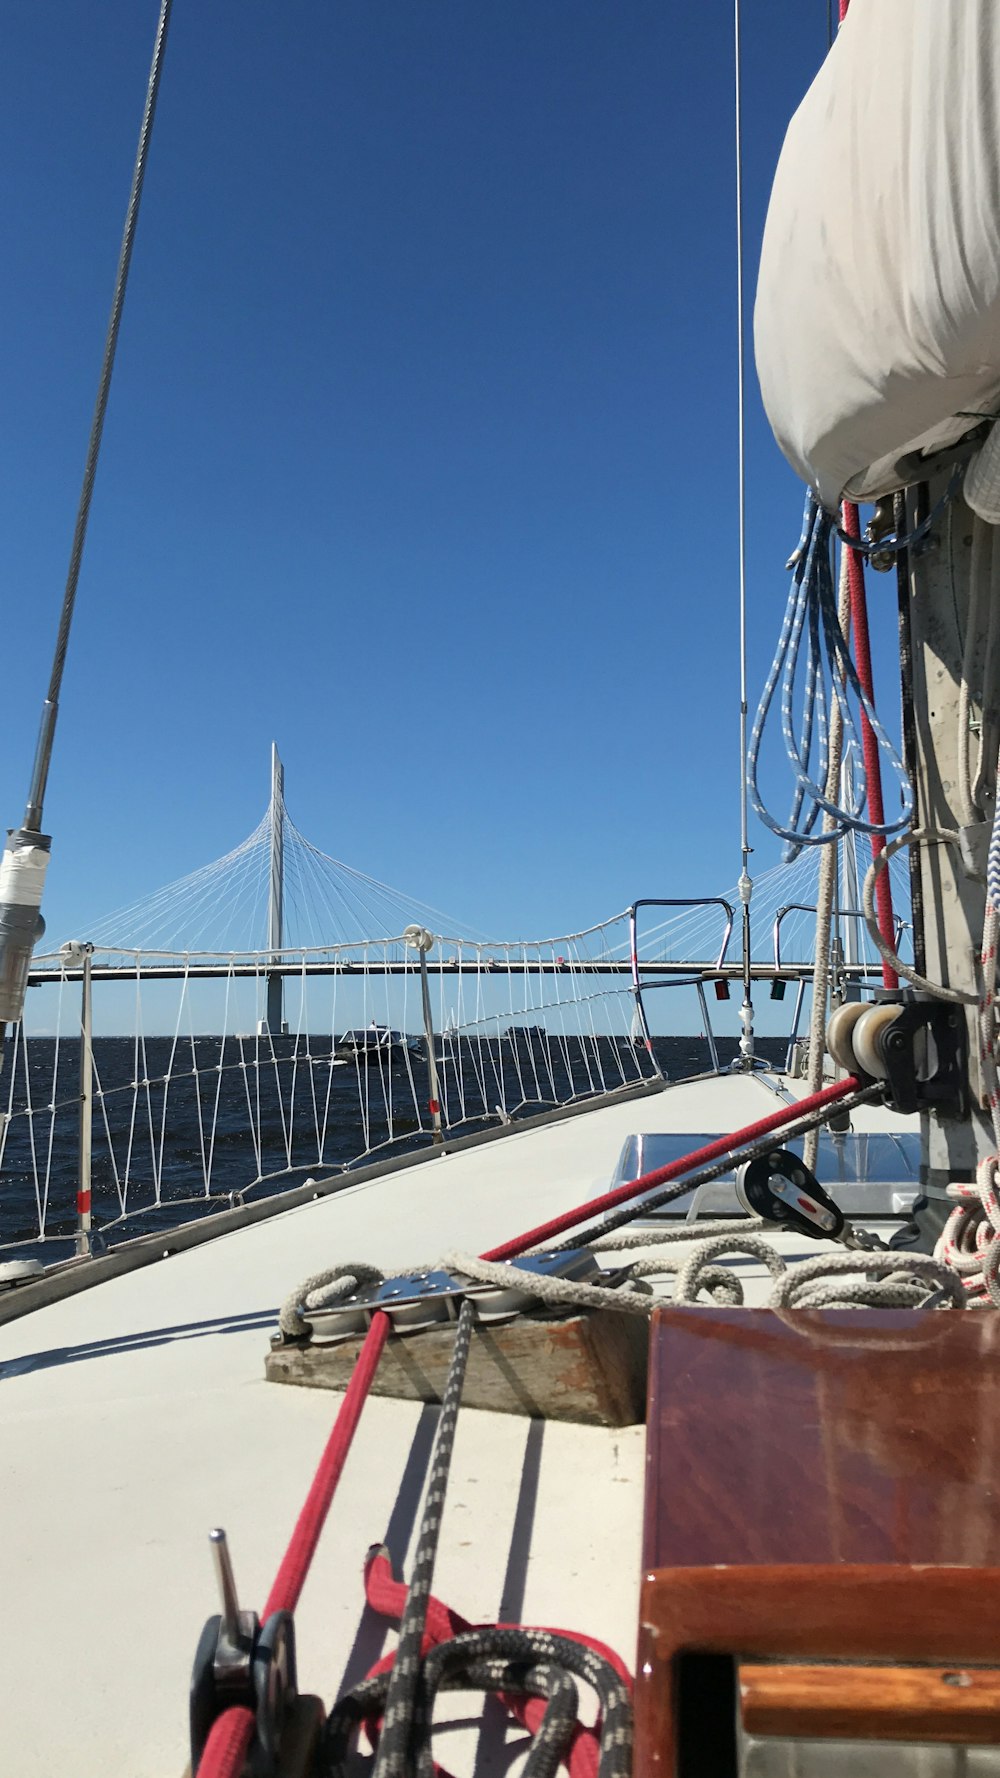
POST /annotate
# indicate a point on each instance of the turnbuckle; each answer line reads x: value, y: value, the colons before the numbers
x: 240, y: 1661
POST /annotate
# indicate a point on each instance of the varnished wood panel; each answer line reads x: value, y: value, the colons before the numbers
x: 589, y: 1368
x: 874, y: 1703
x: 942, y: 1616
x: 822, y: 1436
x: 821, y: 1485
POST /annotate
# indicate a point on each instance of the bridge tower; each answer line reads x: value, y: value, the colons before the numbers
x: 274, y: 1021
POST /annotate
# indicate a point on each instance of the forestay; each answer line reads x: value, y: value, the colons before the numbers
x: 877, y: 324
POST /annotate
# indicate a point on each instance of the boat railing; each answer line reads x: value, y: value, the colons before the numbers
x: 143, y: 1087
x: 844, y: 974
x: 643, y: 963
x: 855, y: 915
x: 139, y: 1083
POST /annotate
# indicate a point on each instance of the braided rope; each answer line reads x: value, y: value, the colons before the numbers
x: 392, y: 1759
x: 681, y: 1232
x: 537, y: 1663
x: 332, y: 1285
x: 916, y: 836
x: 553, y: 1293
x: 890, y: 1281
x: 699, y: 1273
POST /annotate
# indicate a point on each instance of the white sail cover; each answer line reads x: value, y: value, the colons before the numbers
x: 877, y: 322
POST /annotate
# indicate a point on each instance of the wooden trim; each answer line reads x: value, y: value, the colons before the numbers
x: 872, y: 1703
x: 949, y: 1616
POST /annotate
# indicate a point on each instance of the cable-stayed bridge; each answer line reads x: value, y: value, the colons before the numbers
x: 277, y: 892
x: 265, y: 1018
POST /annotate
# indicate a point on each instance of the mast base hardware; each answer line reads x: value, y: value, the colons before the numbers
x: 418, y: 1301
x: 914, y: 1045
x: 240, y: 1661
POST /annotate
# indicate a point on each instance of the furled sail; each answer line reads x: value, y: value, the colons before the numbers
x: 877, y: 322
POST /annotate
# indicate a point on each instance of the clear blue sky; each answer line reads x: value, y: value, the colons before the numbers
x: 421, y: 450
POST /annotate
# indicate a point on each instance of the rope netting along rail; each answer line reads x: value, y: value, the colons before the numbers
x: 196, y: 1101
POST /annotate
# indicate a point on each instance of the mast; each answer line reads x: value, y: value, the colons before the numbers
x: 274, y: 1018
x: 952, y: 629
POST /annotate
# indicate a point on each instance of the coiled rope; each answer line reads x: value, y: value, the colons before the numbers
x: 855, y: 1280
x: 526, y: 1701
x: 504, y: 1659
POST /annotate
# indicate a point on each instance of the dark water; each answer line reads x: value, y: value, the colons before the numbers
x: 199, y: 1110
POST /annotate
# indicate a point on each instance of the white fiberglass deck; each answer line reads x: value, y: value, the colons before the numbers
x: 135, y: 1415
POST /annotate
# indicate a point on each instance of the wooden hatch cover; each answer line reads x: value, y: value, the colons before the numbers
x: 822, y: 1493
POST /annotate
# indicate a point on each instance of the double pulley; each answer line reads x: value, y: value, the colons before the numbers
x: 418, y: 1301
x: 914, y: 1046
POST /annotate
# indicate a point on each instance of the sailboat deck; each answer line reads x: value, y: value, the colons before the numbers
x: 135, y: 1415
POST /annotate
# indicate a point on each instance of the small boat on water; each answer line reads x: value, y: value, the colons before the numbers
x: 375, y: 1043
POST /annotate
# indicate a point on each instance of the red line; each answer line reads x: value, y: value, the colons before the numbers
x: 869, y: 743
x: 228, y: 1743
x: 688, y: 1163
x: 289, y: 1579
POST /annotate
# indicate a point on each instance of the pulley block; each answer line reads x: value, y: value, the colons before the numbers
x: 916, y: 1047
x: 417, y: 1301
x: 240, y: 1661
x: 779, y: 1187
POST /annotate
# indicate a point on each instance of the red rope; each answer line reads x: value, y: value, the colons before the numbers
x: 288, y: 1582
x: 387, y: 1595
x: 869, y: 743
x: 227, y: 1745
x: 688, y: 1163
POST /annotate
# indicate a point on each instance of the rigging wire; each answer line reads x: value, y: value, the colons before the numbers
x: 745, y: 882
x: 50, y: 709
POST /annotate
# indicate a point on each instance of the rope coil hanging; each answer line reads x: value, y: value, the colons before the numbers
x: 813, y: 666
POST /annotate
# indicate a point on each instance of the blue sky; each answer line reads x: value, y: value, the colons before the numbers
x: 421, y: 452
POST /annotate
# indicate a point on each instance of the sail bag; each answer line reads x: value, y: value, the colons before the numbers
x: 877, y: 320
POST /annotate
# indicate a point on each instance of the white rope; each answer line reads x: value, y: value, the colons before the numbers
x: 882, y: 1280
x: 982, y: 550
x: 830, y: 1280
x: 827, y: 889
x: 550, y: 1292
x: 916, y: 835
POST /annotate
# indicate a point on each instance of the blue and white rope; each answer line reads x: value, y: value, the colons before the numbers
x: 816, y: 677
